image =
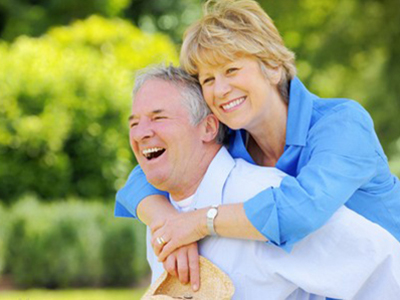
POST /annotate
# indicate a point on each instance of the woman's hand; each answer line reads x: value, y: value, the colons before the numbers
x: 184, y: 264
x: 178, y: 230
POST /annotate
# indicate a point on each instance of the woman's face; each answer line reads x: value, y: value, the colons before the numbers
x: 239, y: 93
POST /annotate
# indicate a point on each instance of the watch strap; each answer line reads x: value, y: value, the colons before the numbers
x: 210, y: 220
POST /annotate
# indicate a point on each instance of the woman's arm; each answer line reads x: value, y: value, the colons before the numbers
x: 186, y: 228
x: 131, y: 195
x: 343, y: 156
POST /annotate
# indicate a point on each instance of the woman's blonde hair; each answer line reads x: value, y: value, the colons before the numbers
x: 231, y: 28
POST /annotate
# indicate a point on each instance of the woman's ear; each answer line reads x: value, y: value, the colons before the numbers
x: 210, y: 128
x: 275, y: 75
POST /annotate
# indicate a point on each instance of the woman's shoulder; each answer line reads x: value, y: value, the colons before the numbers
x: 329, y: 109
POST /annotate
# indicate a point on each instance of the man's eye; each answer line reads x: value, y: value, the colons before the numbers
x: 160, y: 118
x: 131, y: 125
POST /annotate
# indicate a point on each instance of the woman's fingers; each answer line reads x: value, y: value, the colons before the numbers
x: 166, y: 250
x: 158, y: 242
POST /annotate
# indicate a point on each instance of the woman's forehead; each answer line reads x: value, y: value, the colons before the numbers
x: 213, y: 59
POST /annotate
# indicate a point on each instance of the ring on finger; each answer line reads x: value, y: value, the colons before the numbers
x: 160, y: 241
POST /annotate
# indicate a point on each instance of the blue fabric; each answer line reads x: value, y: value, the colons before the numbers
x: 333, y: 157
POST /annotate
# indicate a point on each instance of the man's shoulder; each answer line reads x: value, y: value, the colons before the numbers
x: 244, y: 171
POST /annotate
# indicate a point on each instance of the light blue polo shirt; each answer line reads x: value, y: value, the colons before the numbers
x: 333, y: 157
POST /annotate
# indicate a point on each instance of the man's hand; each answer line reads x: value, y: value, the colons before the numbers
x: 176, y: 231
x: 184, y: 263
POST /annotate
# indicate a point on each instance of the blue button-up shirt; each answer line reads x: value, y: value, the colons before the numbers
x: 333, y: 157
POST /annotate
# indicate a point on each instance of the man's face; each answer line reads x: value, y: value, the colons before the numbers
x: 161, y: 136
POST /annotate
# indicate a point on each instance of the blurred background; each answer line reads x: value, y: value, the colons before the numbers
x: 66, y: 74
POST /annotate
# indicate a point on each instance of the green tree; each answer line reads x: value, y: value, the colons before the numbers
x: 348, y: 48
x: 64, y: 103
x: 35, y: 17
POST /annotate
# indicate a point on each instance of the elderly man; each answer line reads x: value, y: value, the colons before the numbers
x: 177, y: 142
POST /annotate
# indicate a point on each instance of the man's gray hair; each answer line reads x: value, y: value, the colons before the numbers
x: 191, y: 95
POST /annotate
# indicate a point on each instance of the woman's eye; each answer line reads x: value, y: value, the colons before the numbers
x: 231, y: 70
x: 207, y: 80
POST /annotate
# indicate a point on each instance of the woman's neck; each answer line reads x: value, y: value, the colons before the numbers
x: 267, y: 141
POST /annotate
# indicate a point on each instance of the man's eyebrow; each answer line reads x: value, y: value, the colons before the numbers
x: 154, y: 112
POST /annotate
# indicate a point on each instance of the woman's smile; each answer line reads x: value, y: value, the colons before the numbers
x: 233, y: 104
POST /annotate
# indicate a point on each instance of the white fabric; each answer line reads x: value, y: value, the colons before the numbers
x: 348, y: 258
x: 184, y: 204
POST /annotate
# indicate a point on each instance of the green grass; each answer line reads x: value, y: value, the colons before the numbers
x: 76, y: 294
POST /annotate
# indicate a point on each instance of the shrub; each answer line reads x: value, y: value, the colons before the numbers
x: 4, y: 224
x: 64, y: 103
x: 71, y: 243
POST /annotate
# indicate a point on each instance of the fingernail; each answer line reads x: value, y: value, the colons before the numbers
x: 195, y: 287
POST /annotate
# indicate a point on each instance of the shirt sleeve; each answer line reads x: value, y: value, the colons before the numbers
x: 135, y: 190
x: 342, y: 158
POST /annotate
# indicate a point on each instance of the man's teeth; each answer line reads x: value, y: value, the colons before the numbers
x: 150, y: 152
x: 233, y: 103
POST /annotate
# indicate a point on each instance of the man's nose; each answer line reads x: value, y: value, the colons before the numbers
x: 143, y: 130
x: 222, y: 87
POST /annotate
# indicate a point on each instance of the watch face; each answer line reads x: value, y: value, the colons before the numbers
x: 212, y: 213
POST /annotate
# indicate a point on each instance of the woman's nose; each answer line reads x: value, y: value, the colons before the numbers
x: 222, y: 87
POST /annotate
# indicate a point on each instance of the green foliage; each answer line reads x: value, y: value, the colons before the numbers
x: 4, y: 229
x: 35, y: 17
x: 71, y: 243
x: 350, y: 49
x: 76, y: 294
x: 64, y: 103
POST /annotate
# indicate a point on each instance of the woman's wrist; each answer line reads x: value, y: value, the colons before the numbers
x: 201, y: 216
x: 155, y: 208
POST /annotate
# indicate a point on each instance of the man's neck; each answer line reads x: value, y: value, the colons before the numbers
x: 189, y: 186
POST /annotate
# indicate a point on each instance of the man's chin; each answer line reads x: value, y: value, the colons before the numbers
x: 157, y: 180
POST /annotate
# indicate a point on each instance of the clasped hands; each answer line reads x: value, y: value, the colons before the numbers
x: 174, y: 240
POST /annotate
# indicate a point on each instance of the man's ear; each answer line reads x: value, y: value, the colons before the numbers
x: 210, y: 128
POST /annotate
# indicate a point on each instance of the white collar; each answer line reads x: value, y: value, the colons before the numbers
x: 210, y: 190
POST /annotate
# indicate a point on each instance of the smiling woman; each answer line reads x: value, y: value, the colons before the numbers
x: 328, y: 147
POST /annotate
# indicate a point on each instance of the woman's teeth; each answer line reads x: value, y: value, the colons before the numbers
x: 233, y: 103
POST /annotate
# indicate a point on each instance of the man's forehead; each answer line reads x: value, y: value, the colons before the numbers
x: 156, y: 96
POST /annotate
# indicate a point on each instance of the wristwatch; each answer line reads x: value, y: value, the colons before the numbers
x: 211, y: 214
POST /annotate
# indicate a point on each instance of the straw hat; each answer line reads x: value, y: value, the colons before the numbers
x: 215, y: 284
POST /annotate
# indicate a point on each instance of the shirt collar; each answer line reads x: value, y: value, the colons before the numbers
x: 210, y: 190
x: 299, y: 113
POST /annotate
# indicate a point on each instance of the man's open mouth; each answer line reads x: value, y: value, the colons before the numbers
x: 152, y: 153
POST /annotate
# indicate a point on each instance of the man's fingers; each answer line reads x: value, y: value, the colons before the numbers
x: 182, y: 266
x: 194, y: 266
x: 170, y: 265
